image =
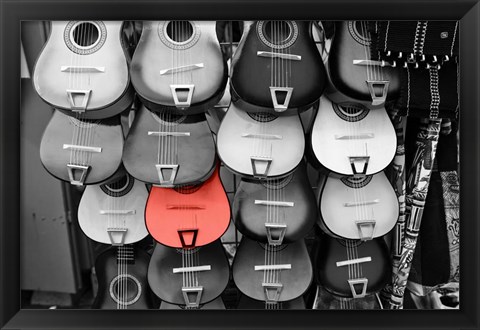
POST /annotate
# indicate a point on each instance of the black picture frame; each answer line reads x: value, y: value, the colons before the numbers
x: 13, y: 12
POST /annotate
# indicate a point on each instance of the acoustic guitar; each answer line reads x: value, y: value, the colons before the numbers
x: 265, y: 145
x: 358, y: 207
x: 289, y: 74
x: 352, y: 139
x: 122, y: 279
x: 354, y: 72
x: 188, y: 216
x: 83, y: 71
x: 352, y: 268
x: 82, y: 152
x: 272, y: 273
x: 189, y: 277
x: 113, y: 213
x: 179, y: 66
x: 169, y: 150
x: 275, y: 211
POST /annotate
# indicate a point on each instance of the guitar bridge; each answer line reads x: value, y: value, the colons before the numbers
x: 162, y: 171
x: 78, y: 99
x: 272, y: 291
x: 276, y: 92
x: 178, y: 93
x: 77, y: 173
x: 358, y: 161
x: 373, y: 86
x: 192, y: 296
x: 366, y: 229
x: 261, y: 166
x: 363, y: 283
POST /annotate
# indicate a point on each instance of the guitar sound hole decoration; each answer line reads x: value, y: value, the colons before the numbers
x: 359, y: 32
x: 351, y: 243
x: 190, y: 189
x: 187, y: 251
x: 263, y: 117
x: 178, y: 34
x: 125, y: 289
x: 273, y: 248
x: 85, y: 37
x: 356, y: 182
x: 168, y: 119
x: 350, y: 112
x: 278, y: 183
x: 119, y: 188
x: 277, y: 34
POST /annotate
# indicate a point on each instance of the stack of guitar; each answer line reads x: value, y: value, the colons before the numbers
x: 150, y: 166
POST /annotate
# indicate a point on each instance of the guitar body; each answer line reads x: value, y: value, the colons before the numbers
x: 249, y: 303
x: 128, y: 289
x: 254, y: 206
x: 214, y: 304
x: 292, y: 283
x: 305, y: 73
x: 348, y: 205
x: 193, y: 153
x: 275, y: 145
x: 335, y: 279
x: 114, y: 213
x: 86, y: 167
x: 190, y: 216
x: 341, y: 131
x: 168, y: 285
x: 185, y: 54
x: 352, y: 42
x: 83, y: 67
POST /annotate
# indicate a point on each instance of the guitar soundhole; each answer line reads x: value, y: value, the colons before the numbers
x: 125, y: 289
x: 179, y: 31
x: 262, y: 117
x: 85, y: 37
x: 277, y: 31
x: 273, y: 248
x: 277, y: 34
x: 355, y: 183
x: 178, y: 35
x: 187, y: 251
x: 120, y: 187
x: 189, y: 189
x: 351, y: 112
x: 86, y: 34
x: 278, y: 183
x: 359, y: 32
x: 350, y: 243
x: 167, y: 118
x: 83, y: 123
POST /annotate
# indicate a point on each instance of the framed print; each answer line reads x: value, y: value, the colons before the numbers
x: 197, y: 164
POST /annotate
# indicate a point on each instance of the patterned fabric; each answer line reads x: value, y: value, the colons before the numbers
x: 416, y: 41
x: 426, y: 92
x: 451, y: 199
x: 417, y: 189
x: 396, y: 176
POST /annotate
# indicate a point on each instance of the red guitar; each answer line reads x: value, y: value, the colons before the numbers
x: 188, y: 216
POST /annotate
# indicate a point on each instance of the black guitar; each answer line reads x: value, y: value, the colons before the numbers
x: 275, y: 211
x: 122, y: 279
x: 354, y: 72
x: 189, y: 277
x: 352, y: 268
x: 277, y: 67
